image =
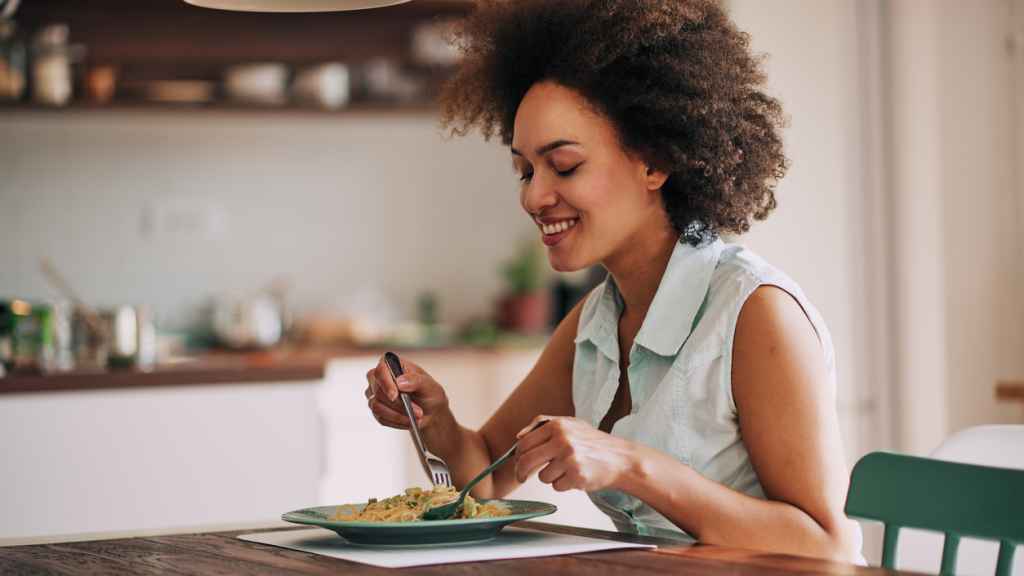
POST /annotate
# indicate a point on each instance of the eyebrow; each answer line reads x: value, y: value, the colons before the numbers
x: 548, y: 147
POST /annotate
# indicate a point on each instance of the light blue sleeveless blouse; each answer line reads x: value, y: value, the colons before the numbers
x: 680, y: 377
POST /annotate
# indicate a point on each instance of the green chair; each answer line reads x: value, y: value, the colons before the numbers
x: 950, y: 497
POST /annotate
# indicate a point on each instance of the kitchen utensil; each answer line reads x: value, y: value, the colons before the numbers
x: 434, y: 467
x: 247, y: 322
x: 57, y: 281
x: 448, y: 510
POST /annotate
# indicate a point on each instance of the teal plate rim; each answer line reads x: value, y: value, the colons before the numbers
x: 318, y: 516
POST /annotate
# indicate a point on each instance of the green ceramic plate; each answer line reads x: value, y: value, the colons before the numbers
x: 423, y: 532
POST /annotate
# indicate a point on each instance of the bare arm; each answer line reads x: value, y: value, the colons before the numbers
x: 789, y: 425
x: 547, y: 389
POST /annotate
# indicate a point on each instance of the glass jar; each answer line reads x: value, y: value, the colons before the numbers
x: 51, y: 66
x: 26, y: 336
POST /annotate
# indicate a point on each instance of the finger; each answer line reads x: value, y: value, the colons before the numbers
x: 537, y: 437
x: 417, y: 410
x: 537, y: 421
x: 566, y: 482
x: 387, y: 415
x: 411, y: 383
x: 553, y: 471
x: 371, y: 388
x: 385, y: 383
x: 529, y: 462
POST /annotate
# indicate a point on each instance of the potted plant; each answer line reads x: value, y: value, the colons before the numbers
x: 524, y: 307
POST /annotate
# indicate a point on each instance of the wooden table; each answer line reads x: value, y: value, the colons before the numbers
x: 223, y: 553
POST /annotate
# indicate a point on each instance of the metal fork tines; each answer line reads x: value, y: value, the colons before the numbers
x: 434, y: 467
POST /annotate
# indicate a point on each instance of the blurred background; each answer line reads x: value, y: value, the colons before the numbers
x: 211, y: 223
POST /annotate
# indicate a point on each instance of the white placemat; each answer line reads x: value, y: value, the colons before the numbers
x: 510, y: 543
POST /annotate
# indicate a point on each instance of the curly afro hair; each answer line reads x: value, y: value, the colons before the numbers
x: 676, y: 78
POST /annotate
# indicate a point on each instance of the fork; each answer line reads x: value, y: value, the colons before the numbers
x: 445, y: 511
x: 435, y: 468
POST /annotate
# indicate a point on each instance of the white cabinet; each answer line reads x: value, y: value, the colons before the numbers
x: 111, y: 460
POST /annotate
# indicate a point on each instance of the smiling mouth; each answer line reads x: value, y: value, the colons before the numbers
x: 557, y: 227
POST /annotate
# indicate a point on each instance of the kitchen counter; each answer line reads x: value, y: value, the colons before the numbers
x: 285, y: 364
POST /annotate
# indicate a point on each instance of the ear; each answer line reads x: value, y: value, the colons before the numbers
x: 654, y: 178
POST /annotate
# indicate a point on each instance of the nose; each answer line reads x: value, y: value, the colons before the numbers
x: 538, y: 194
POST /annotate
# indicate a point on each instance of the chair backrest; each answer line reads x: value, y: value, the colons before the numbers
x: 950, y: 497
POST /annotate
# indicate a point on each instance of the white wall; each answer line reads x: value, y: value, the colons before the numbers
x: 332, y: 202
x: 982, y: 220
x: 959, y: 256
x: 816, y: 233
x: 900, y: 216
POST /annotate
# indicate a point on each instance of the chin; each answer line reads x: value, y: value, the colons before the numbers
x: 565, y: 264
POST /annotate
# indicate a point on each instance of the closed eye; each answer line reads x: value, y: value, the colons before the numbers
x: 567, y: 173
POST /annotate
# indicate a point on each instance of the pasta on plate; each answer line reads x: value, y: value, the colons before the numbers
x: 409, y: 507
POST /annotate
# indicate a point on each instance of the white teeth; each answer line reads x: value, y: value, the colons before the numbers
x: 557, y: 227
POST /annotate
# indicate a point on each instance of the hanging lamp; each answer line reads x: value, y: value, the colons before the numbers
x: 293, y: 5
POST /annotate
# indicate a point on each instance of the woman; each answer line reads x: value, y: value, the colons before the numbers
x: 692, y: 393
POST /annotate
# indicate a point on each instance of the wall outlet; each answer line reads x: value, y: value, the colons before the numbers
x: 184, y: 217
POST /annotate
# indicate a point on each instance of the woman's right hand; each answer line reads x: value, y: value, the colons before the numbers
x: 428, y: 399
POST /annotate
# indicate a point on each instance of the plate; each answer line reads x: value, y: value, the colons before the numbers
x: 422, y: 532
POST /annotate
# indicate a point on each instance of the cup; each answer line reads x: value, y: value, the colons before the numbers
x: 325, y: 85
x: 261, y: 83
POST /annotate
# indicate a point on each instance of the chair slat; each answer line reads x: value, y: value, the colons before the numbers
x: 1005, y: 563
x: 892, y: 534
x: 949, y: 550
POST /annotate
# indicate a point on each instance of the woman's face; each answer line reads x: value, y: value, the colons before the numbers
x: 589, y: 198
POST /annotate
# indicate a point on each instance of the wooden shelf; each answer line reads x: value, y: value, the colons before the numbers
x: 137, y: 107
x: 156, y: 40
x: 1010, y: 391
x: 167, y: 36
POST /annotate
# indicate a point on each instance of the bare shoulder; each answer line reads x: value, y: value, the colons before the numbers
x: 776, y: 351
x: 785, y: 402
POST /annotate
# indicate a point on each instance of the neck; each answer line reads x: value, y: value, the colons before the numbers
x: 638, y: 269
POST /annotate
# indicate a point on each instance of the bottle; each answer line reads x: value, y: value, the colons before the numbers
x: 51, y: 66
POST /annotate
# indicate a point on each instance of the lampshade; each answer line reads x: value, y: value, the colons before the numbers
x: 293, y: 5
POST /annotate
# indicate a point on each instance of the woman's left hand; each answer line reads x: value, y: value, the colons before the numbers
x: 572, y: 454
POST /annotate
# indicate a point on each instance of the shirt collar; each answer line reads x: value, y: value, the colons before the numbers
x: 680, y: 295
x: 602, y: 327
x: 673, y: 311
